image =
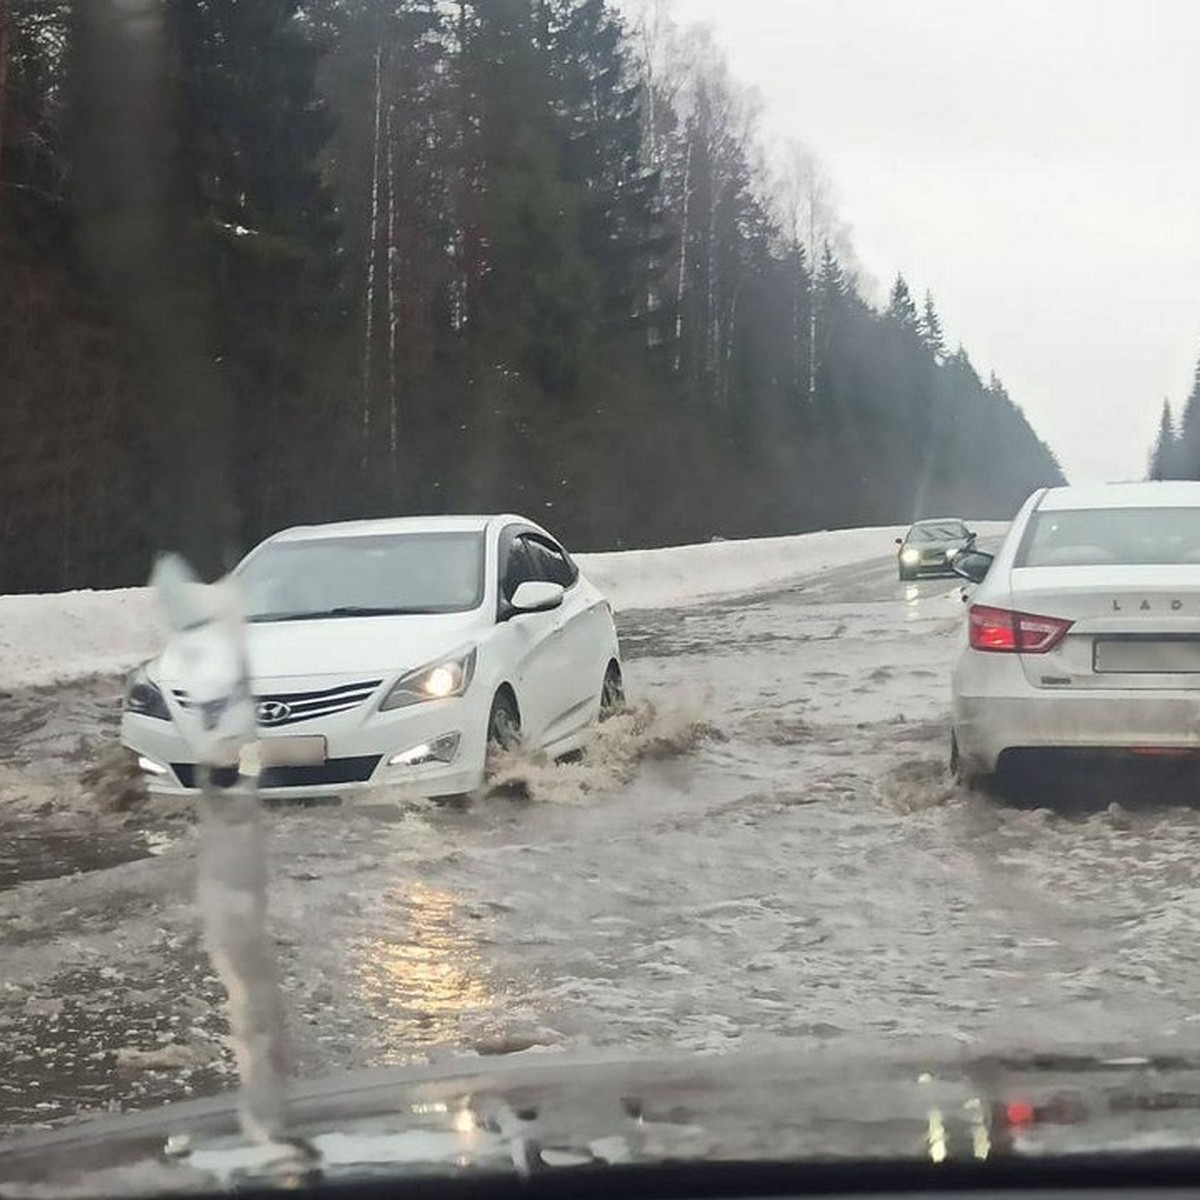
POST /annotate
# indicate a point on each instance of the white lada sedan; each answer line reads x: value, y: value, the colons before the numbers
x: 392, y: 653
x: 1083, y: 634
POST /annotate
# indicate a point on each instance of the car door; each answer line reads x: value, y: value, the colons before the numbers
x: 579, y: 647
x: 531, y: 654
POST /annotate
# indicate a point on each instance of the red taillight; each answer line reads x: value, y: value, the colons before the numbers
x: 992, y: 629
x: 1019, y: 1112
x: 999, y: 631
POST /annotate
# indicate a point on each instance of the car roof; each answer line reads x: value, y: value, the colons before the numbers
x: 395, y: 525
x: 1165, y: 494
x: 939, y: 521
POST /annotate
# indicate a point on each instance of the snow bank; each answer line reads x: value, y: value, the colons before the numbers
x: 681, y: 575
x: 71, y: 634
x: 44, y: 639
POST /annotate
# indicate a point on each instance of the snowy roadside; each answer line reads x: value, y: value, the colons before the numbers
x: 69, y: 635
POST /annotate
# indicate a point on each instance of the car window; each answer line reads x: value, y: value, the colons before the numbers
x: 520, y: 567
x: 1112, y: 536
x: 551, y: 562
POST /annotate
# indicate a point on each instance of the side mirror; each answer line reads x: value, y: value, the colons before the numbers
x: 971, y: 565
x: 971, y: 536
x: 534, y: 596
x: 899, y: 541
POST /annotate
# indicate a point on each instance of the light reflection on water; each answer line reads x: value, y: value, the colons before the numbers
x: 424, y: 980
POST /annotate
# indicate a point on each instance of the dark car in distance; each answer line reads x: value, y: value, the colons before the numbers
x: 928, y: 545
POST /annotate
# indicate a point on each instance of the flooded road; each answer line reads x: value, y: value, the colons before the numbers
x: 766, y: 849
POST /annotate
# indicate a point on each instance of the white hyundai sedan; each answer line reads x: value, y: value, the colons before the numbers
x: 1083, y: 634
x: 393, y: 653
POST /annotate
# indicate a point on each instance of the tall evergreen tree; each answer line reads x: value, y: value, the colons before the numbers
x: 1163, y: 456
x: 901, y: 306
x: 931, y: 329
x: 254, y: 129
x: 597, y: 100
x: 539, y: 294
x: 1188, y: 442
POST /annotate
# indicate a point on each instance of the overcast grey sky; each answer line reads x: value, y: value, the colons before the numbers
x: 1034, y: 163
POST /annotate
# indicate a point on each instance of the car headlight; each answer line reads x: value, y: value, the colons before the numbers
x: 908, y: 556
x: 440, y: 750
x: 441, y: 680
x: 142, y: 696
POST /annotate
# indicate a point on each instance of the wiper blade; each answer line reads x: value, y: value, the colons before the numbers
x: 345, y: 611
x: 352, y: 611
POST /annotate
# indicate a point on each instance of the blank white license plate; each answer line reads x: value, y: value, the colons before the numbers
x: 1147, y: 656
x: 301, y: 751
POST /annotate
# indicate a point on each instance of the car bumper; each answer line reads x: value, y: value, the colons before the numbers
x: 356, y: 760
x: 930, y: 567
x: 998, y: 710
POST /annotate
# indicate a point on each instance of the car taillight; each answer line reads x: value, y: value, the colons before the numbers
x: 999, y: 631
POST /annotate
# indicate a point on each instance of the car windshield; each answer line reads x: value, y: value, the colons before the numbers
x: 469, y: 604
x: 364, y: 576
x: 939, y: 531
x: 1112, y: 537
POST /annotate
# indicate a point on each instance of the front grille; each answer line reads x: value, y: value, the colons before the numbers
x: 290, y: 708
x: 335, y: 771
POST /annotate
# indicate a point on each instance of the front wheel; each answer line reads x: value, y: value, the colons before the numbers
x: 504, y: 723
x: 612, y: 693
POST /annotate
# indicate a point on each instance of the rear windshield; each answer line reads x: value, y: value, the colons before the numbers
x: 1093, y: 537
x: 942, y: 531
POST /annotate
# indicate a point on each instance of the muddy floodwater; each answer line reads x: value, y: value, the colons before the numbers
x: 766, y: 849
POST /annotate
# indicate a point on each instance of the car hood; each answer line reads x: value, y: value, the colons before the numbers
x: 341, y: 646
x: 537, y: 1112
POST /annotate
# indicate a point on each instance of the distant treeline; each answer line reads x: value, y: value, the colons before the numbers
x: 287, y: 261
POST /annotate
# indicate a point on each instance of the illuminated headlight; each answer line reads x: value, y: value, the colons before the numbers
x: 439, y: 680
x: 150, y: 766
x: 910, y: 557
x: 144, y: 697
x: 441, y: 750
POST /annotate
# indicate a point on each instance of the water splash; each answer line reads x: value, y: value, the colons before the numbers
x: 642, y: 732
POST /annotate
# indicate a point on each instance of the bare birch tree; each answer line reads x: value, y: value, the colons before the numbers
x: 372, y: 254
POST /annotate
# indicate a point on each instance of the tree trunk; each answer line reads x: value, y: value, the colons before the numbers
x: 812, y: 295
x: 712, y: 325
x: 372, y: 251
x: 727, y: 350
x: 393, y: 259
x: 684, y: 234
x: 6, y: 40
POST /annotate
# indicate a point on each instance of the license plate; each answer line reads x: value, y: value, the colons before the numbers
x: 301, y: 751
x: 1147, y: 656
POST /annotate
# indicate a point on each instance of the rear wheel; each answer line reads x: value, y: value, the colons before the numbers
x: 612, y: 693
x: 504, y: 723
x: 961, y: 776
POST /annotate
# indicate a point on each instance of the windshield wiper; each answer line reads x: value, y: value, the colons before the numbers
x: 343, y: 611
